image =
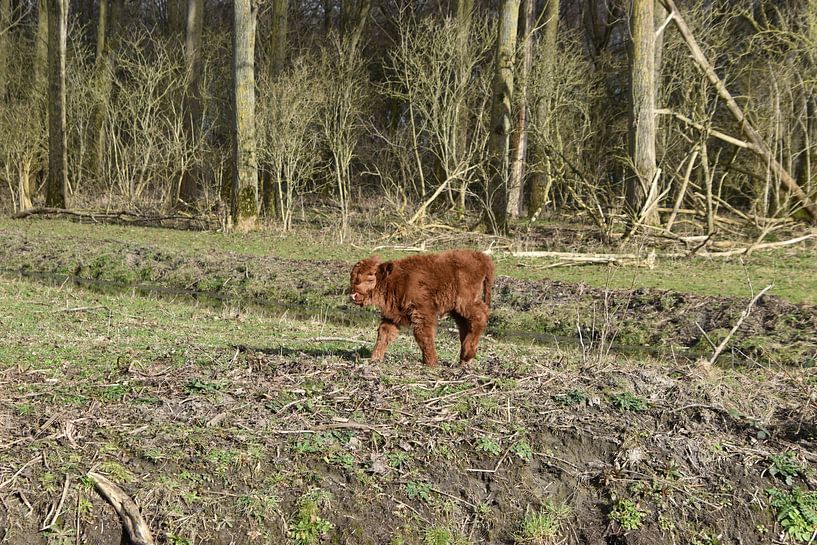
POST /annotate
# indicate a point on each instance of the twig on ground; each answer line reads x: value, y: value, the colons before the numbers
x: 17, y: 473
x: 57, y: 511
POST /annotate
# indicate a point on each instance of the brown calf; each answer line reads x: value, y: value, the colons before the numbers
x: 415, y: 290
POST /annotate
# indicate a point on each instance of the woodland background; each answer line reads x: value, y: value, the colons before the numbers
x: 642, y: 115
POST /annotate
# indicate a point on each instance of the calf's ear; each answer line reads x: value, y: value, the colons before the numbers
x: 375, y: 259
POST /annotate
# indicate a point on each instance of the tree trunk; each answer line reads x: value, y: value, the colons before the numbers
x: 501, y: 116
x: 5, y: 32
x: 540, y: 180
x: 245, y: 173
x: 189, y: 187
x: 41, y: 46
x: 463, y: 11
x: 24, y: 186
x: 108, y: 25
x: 278, y: 36
x: 642, y: 110
x: 57, y: 189
x: 354, y: 15
x: 176, y: 17
x: 519, y: 145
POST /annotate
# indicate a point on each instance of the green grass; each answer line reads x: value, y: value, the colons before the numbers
x: 793, y: 271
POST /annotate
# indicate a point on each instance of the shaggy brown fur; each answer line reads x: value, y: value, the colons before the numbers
x: 415, y: 290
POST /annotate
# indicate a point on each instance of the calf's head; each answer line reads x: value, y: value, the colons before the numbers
x: 363, y: 280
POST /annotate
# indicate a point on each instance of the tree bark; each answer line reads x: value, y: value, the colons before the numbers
x: 463, y: 11
x: 498, y: 141
x: 278, y: 36
x: 57, y: 188
x: 519, y: 145
x: 540, y: 179
x: 176, y: 17
x: 758, y: 145
x: 108, y: 25
x: 41, y: 46
x: 189, y: 187
x: 354, y: 15
x: 642, y: 110
x: 5, y: 31
x: 245, y: 174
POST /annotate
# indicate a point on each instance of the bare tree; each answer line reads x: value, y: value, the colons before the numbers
x: 5, y: 24
x: 176, y: 10
x: 519, y: 140
x: 188, y: 185
x: 501, y: 116
x: 642, y: 185
x: 541, y: 177
x: 289, y: 145
x: 435, y: 78
x: 245, y: 179
x: 353, y: 17
x: 41, y: 46
x: 57, y: 188
x: 278, y: 35
x: 109, y: 24
x: 340, y: 120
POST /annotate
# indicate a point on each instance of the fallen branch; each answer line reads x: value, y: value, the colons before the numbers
x: 743, y: 316
x: 570, y: 258
x: 124, y: 216
x: 754, y: 247
x: 132, y: 521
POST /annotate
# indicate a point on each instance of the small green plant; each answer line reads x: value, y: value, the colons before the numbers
x: 440, y: 535
x: 571, y: 397
x: 315, y: 442
x: 523, y: 450
x: 343, y: 459
x: 488, y: 445
x: 543, y: 526
x: 786, y: 467
x: 197, y: 386
x: 398, y: 459
x: 627, y: 515
x: 307, y: 527
x: 259, y: 507
x: 117, y: 472
x: 625, y: 401
x: 174, y: 539
x: 796, y: 512
x: 417, y: 490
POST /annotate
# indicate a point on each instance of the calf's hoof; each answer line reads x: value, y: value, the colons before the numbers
x: 465, y: 363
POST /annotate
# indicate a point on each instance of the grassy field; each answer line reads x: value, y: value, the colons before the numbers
x: 229, y: 421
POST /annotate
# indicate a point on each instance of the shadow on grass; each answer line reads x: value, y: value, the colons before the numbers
x: 348, y: 354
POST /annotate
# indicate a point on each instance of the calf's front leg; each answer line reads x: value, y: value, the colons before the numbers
x: 386, y: 333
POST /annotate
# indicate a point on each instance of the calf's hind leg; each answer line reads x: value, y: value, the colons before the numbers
x: 462, y: 325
